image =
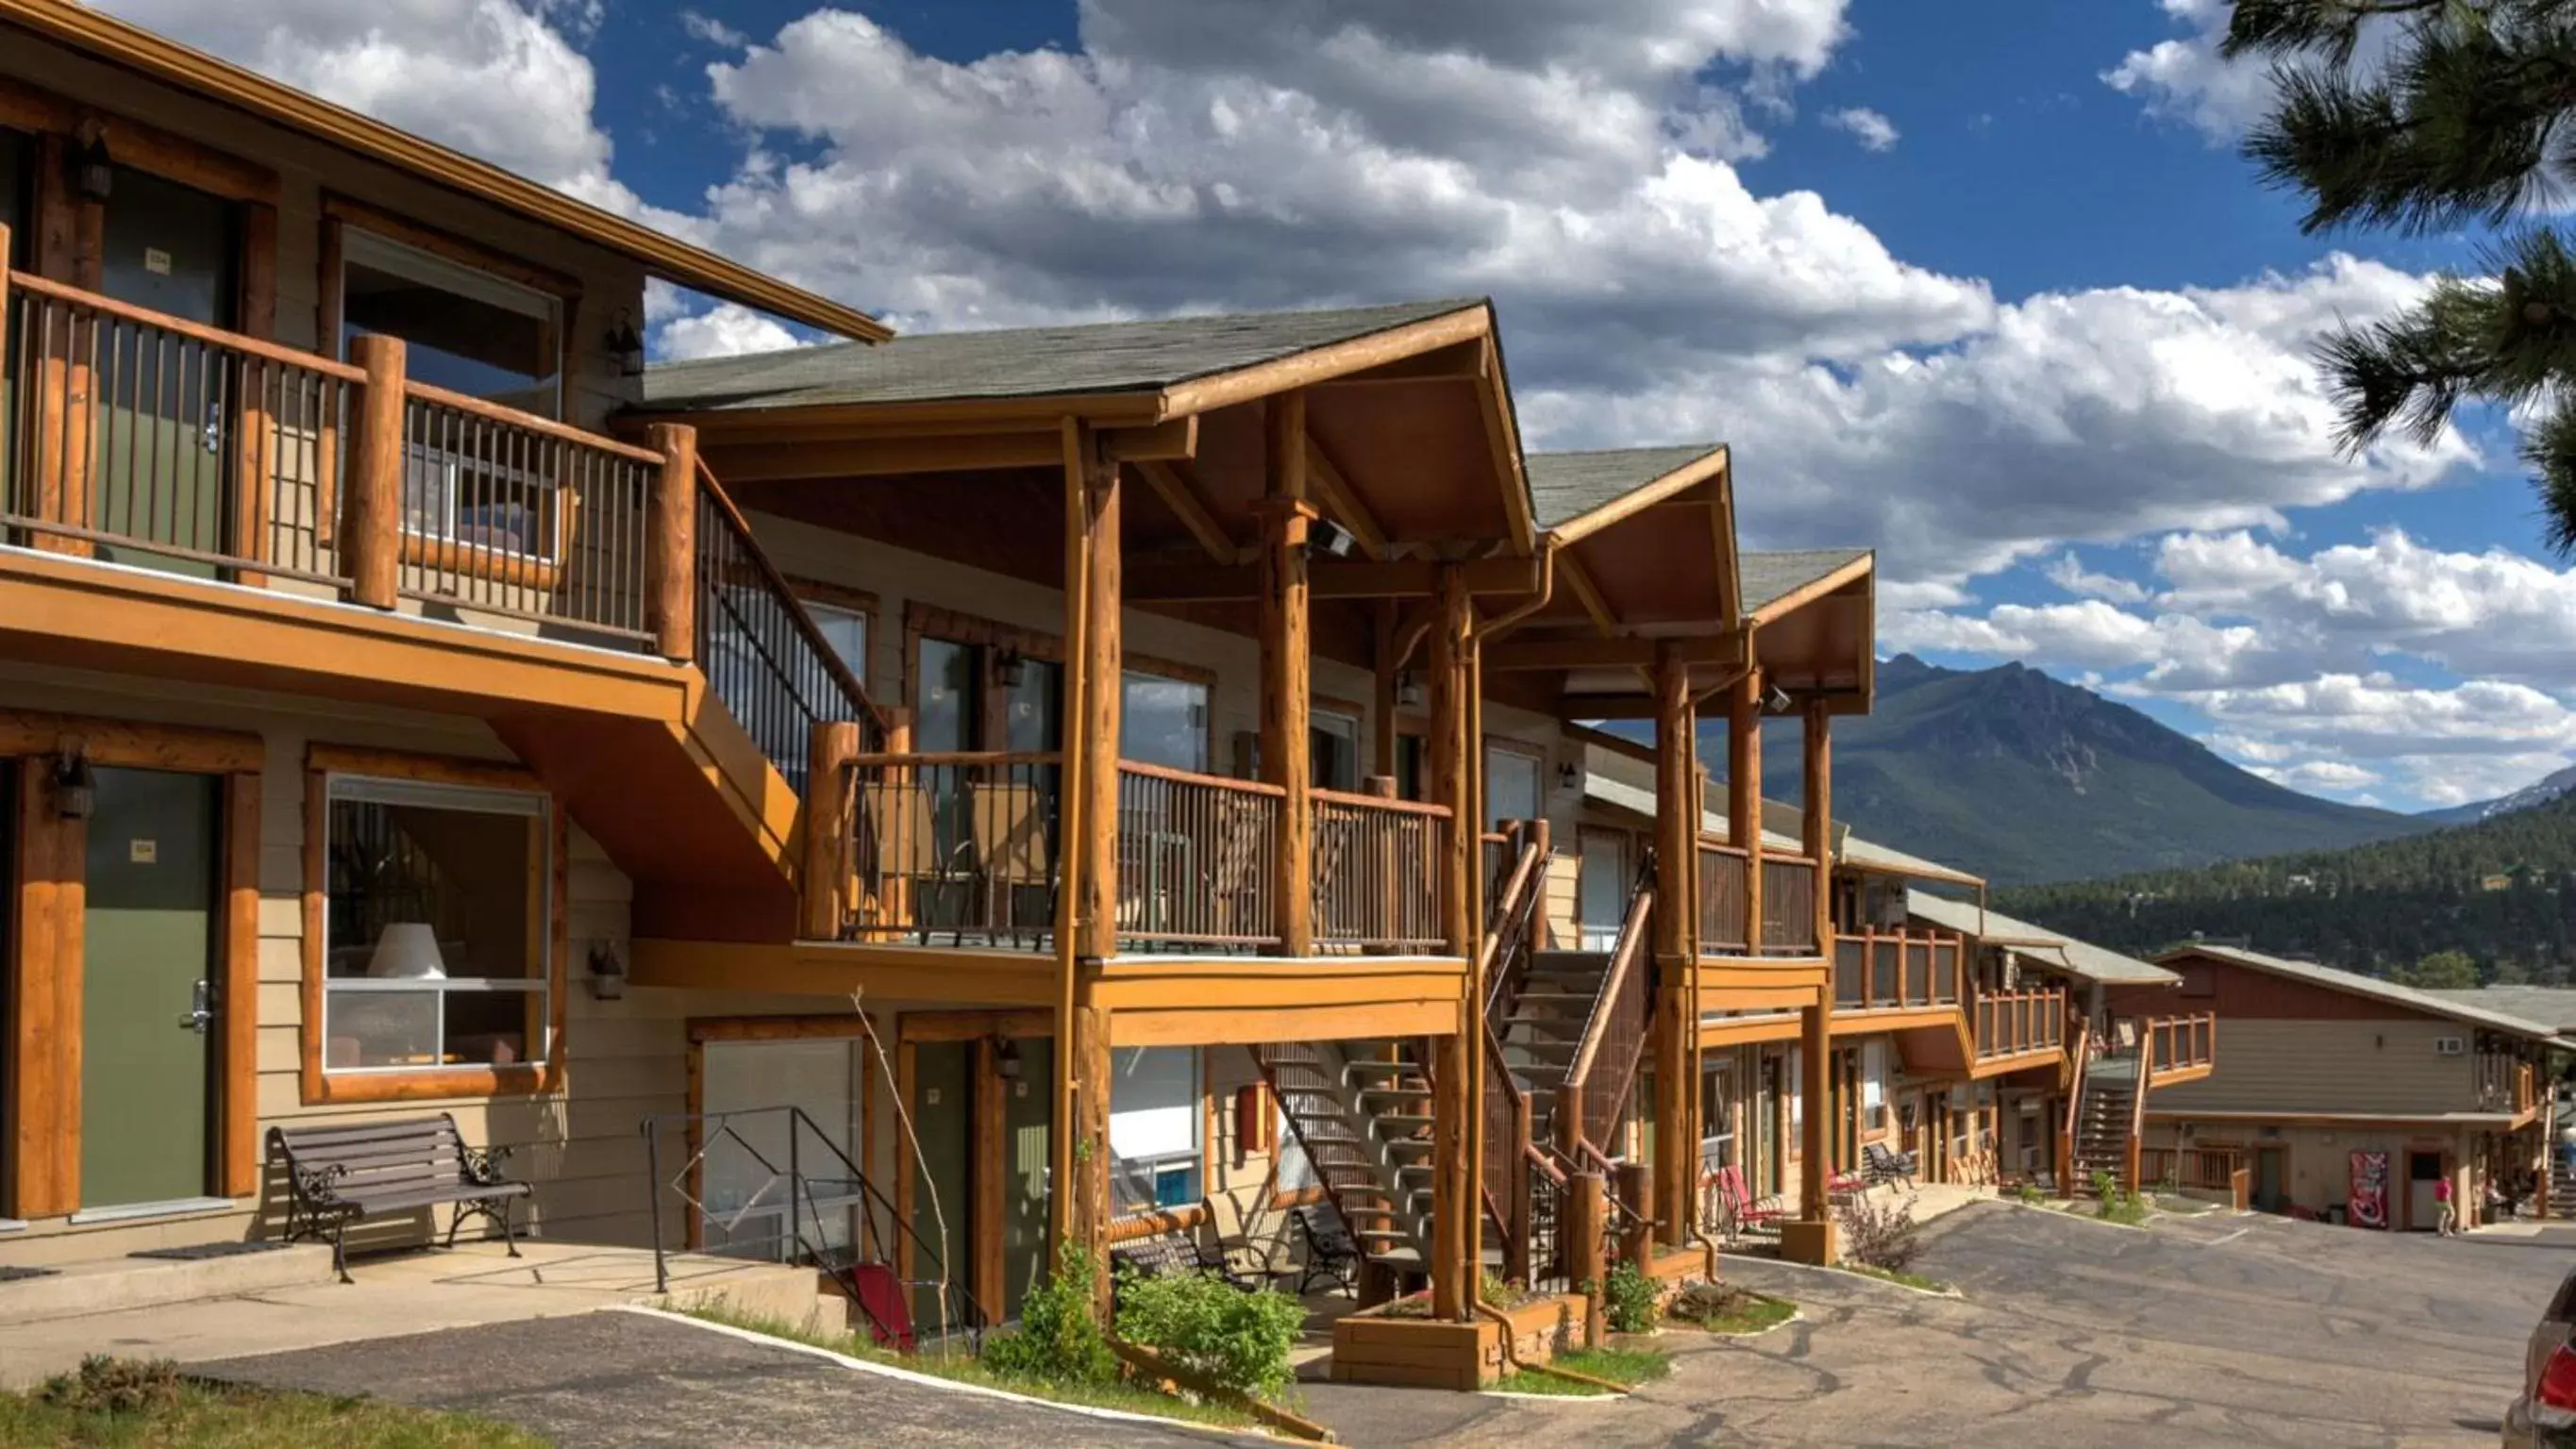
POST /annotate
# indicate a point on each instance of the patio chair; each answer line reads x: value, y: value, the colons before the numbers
x: 904, y: 829
x: 1237, y: 877
x: 1332, y: 1254
x: 1741, y: 1214
x: 1008, y: 822
x: 1882, y: 1163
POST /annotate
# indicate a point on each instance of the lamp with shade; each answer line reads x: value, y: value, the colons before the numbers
x: 407, y: 951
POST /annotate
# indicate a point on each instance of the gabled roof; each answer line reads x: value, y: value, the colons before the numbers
x: 2548, y: 1005
x: 1767, y: 578
x: 2444, y: 1004
x: 2052, y: 948
x: 1868, y: 855
x: 1024, y: 362
x: 171, y: 63
x: 1566, y: 486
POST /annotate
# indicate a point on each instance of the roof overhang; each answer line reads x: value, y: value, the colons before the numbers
x: 669, y: 258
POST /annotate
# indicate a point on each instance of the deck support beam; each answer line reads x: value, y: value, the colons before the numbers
x: 1287, y: 692
x: 1456, y: 1222
x: 1676, y: 1020
x: 1811, y: 1238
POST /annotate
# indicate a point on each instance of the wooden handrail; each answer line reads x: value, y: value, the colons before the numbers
x: 180, y: 326
x: 1716, y: 846
x: 1186, y: 777
x: 1782, y: 857
x: 852, y: 687
x: 952, y: 758
x: 1632, y: 940
x: 1378, y: 802
x: 509, y: 417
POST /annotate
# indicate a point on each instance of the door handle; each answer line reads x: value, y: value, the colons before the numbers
x: 214, y: 425
x: 202, y: 1014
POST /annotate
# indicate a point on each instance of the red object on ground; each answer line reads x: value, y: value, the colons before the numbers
x: 888, y: 1307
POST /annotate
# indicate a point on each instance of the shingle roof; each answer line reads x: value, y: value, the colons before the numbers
x: 1565, y: 486
x: 1769, y: 576
x: 1020, y: 362
x: 1637, y: 800
x: 2437, y: 1003
x: 2548, y: 1005
x: 2078, y: 958
x: 1862, y: 854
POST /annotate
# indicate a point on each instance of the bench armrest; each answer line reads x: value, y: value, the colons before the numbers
x: 316, y: 1185
x: 481, y: 1166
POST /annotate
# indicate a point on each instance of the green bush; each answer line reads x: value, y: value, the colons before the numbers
x: 1239, y: 1340
x: 115, y: 1386
x: 1059, y: 1338
x: 2030, y: 1194
x: 1878, y: 1235
x: 1630, y: 1299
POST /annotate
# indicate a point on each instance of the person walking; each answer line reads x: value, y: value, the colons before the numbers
x: 2448, y: 1224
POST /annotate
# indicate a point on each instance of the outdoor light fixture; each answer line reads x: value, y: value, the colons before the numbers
x: 1567, y: 776
x: 75, y: 791
x: 607, y: 973
x: 1779, y: 701
x: 627, y: 345
x: 1008, y: 669
x: 1327, y: 539
x: 1006, y: 1059
x: 1408, y: 690
x: 93, y: 170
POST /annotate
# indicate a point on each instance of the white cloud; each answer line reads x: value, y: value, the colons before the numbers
x: 725, y: 330
x: 2331, y: 776
x: 712, y: 31
x: 1872, y: 130
x: 2184, y: 79
x: 2069, y: 573
x: 2377, y: 717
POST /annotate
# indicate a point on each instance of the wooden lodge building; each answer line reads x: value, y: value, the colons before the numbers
x: 1131, y: 757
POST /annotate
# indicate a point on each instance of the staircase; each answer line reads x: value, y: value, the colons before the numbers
x: 2106, y: 1121
x: 1362, y: 1112
x: 1541, y: 1028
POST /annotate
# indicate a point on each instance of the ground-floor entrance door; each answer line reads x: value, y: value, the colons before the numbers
x: 2423, y: 1176
x: 942, y: 1080
x: 981, y: 1102
x: 1023, y: 1153
x: 147, y: 983
x: 1766, y: 1111
x: 2271, y: 1179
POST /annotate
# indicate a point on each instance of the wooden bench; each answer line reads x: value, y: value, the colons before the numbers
x: 338, y: 1175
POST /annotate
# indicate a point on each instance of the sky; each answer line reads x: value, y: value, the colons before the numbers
x: 1987, y: 287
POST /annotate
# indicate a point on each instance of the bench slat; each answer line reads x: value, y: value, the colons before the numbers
x: 323, y: 1139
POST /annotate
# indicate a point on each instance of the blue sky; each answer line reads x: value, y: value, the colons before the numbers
x: 1986, y: 286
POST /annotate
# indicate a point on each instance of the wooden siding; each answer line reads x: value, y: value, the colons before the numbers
x: 2242, y: 993
x: 2275, y: 1064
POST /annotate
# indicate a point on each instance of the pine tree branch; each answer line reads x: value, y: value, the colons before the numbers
x: 2329, y: 29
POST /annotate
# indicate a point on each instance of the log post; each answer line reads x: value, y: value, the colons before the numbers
x: 894, y: 856
x: 1676, y: 1021
x: 670, y: 566
x: 823, y: 899
x: 1819, y: 819
x: 371, y: 495
x: 1744, y: 796
x: 1636, y: 1181
x: 1455, y: 1218
x: 1584, y: 1258
x: 1287, y: 691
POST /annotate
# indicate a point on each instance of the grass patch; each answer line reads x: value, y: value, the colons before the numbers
x: 1724, y: 1308
x: 114, y: 1402
x: 1910, y: 1280
x: 961, y: 1367
x: 1624, y: 1366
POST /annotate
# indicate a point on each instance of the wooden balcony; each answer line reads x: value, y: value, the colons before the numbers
x: 144, y: 439
x: 2176, y: 1049
x: 1896, y: 971
x: 2216, y: 1174
x: 2506, y: 1083
x: 2018, y: 1023
x: 964, y: 851
x: 1788, y: 903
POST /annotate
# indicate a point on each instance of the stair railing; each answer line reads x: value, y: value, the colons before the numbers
x: 1614, y: 1034
x: 1504, y: 959
x: 761, y: 651
x: 1325, y: 1158
x: 2075, y: 1065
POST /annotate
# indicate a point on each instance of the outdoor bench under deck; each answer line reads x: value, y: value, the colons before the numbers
x: 338, y: 1175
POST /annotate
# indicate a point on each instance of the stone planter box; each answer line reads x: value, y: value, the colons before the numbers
x: 1673, y: 1267
x: 1374, y: 1348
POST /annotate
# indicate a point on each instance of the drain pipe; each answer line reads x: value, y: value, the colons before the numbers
x: 1512, y: 1358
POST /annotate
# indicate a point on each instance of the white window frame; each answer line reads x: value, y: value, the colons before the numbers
x: 524, y: 804
x: 1162, y: 1157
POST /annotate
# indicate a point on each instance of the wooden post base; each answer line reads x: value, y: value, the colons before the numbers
x: 1810, y: 1242
x: 1377, y: 1283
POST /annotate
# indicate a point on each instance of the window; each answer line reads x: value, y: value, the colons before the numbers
x: 1716, y: 1116
x: 437, y: 926
x: 1164, y: 721
x: 1511, y: 785
x: 1155, y: 1129
x: 1333, y: 748
x: 1797, y: 1088
x: 743, y: 1212
x: 1603, y: 890
x: 463, y: 329
x: 846, y: 631
x: 1873, y: 1085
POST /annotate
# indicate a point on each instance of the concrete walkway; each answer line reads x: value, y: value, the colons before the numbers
x: 475, y: 1284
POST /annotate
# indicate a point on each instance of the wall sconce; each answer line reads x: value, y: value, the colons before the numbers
x: 627, y: 345
x: 607, y: 973
x: 75, y: 790
x: 1408, y: 690
x: 1327, y: 539
x: 93, y: 170
x: 1006, y: 1059
x: 1009, y: 668
x: 1778, y: 701
x: 1568, y: 776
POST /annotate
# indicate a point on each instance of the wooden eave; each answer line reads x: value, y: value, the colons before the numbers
x: 1820, y: 641
x: 161, y: 59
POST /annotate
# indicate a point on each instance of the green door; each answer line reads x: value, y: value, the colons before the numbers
x: 160, y: 458
x: 2268, y: 1194
x: 942, y: 1120
x: 1026, y: 1109
x: 147, y: 966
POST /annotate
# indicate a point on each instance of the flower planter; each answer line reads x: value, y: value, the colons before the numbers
x: 1374, y: 1347
x: 1673, y: 1267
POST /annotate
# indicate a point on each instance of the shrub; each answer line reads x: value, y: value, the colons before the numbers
x: 1879, y: 1235
x: 1240, y: 1340
x: 1629, y: 1299
x: 106, y: 1385
x: 1059, y: 1338
x: 2030, y: 1194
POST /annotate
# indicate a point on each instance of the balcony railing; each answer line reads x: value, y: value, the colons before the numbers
x: 1878, y: 971
x: 2506, y: 1083
x: 2175, y: 1044
x: 2209, y: 1171
x: 1788, y: 905
x: 148, y: 439
x: 2011, y: 1023
x: 1377, y: 872
x: 1721, y: 900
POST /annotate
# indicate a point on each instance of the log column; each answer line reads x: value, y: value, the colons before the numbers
x: 371, y: 490
x: 1456, y: 1230
x: 1676, y: 1023
x: 1287, y: 692
x: 1087, y: 916
x: 671, y: 592
x: 823, y: 895
x: 1744, y: 795
x: 1811, y: 1238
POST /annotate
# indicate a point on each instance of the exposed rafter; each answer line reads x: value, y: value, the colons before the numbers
x: 1176, y: 484
x: 1333, y: 489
